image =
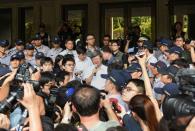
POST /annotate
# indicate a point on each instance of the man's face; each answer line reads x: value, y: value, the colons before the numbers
x: 140, y: 43
x: 82, y: 57
x: 165, y: 79
x: 115, y: 47
x: 19, y: 47
x: 29, y: 52
x: 154, y: 70
x: 136, y: 74
x: 69, y: 66
x: 55, y: 45
x: 179, y: 42
x: 105, y: 55
x: 46, y: 88
x: 2, y: 49
x: 90, y: 40
x: 163, y: 48
x: 37, y: 42
x: 69, y: 45
x: 106, y: 41
x: 15, y: 63
x: 47, y: 66
x: 172, y: 56
x: 109, y: 85
x: 97, y: 60
x: 129, y: 92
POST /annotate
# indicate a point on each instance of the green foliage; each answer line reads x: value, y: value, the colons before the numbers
x: 144, y: 22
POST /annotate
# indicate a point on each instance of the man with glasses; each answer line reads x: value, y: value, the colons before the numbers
x: 92, y: 75
x: 91, y: 45
x: 117, y: 54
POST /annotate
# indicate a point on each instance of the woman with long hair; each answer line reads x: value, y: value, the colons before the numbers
x: 143, y: 111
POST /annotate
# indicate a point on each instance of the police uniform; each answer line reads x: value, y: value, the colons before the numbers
x: 43, y: 49
x: 52, y: 53
x: 13, y: 50
x: 65, y: 52
x: 32, y: 59
x: 6, y: 57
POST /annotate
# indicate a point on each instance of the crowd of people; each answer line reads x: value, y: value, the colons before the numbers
x: 64, y: 84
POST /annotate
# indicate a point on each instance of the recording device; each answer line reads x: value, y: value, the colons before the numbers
x: 22, y: 76
x: 115, y: 106
x: 58, y: 96
x: 184, y: 103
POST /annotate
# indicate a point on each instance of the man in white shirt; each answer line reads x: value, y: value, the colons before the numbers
x: 69, y: 49
x: 93, y: 74
x: 82, y: 61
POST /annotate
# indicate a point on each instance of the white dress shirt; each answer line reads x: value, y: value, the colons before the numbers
x: 97, y: 81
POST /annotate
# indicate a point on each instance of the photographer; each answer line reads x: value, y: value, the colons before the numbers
x: 46, y: 83
x: 87, y: 103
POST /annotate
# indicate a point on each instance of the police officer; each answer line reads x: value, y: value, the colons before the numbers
x: 4, y: 53
x: 39, y: 46
x: 52, y: 53
x: 14, y: 62
x: 38, y: 57
x: 19, y: 46
x: 21, y: 56
x: 29, y: 54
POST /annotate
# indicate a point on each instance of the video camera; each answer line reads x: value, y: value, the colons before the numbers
x: 23, y: 75
x: 184, y: 103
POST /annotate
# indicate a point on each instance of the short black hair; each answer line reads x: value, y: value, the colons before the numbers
x: 68, y: 58
x: 107, y: 35
x: 46, y: 60
x: 106, y: 49
x: 46, y: 77
x: 86, y: 101
x: 116, y: 41
x: 139, y: 84
x: 179, y: 36
x: 81, y: 50
x: 61, y: 76
x: 58, y: 59
x: 69, y: 40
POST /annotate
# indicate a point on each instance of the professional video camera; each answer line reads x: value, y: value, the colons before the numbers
x: 57, y: 97
x: 184, y: 103
x: 23, y: 75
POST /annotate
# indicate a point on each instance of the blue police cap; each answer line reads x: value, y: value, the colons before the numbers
x: 56, y: 40
x: 4, y: 43
x: 118, y: 77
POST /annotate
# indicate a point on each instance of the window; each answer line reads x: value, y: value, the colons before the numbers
x: 114, y: 23
x: 141, y: 16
